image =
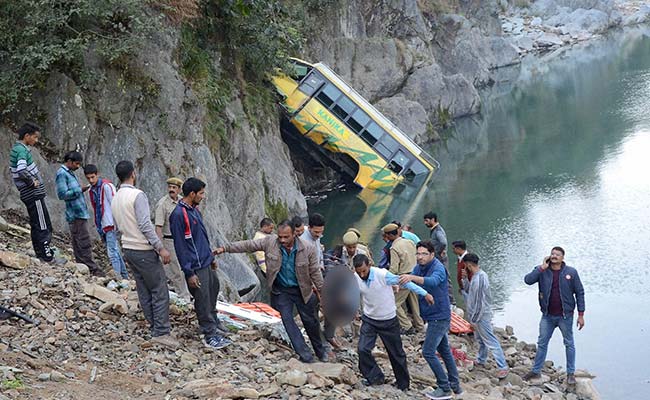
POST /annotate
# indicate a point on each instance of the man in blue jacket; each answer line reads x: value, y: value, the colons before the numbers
x: 432, y: 275
x: 197, y: 261
x: 560, y: 290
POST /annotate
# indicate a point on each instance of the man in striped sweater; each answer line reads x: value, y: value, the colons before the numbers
x: 29, y: 182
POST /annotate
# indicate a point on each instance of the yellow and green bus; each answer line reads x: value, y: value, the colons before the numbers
x: 325, y: 110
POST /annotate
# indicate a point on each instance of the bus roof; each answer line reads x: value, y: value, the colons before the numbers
x: 376, y: 114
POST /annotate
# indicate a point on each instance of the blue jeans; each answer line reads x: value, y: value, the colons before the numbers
x: 547, y: 325
x: 114, y: 254
x: 486, y: 340
x: 436, y: 339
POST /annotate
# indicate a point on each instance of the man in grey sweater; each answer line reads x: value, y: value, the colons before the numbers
x: 479, y: 314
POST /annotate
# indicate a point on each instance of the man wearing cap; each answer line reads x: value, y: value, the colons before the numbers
x: 402, y: 261
x: 164, y: 208
x: 352, y: 247
x: 363, y: 246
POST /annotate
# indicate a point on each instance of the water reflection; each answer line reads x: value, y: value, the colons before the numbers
x: 558, y: 157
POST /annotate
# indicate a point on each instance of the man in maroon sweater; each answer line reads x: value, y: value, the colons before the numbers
x: 460, y: 249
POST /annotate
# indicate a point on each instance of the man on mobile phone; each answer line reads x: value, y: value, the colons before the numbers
x: 560, y: 290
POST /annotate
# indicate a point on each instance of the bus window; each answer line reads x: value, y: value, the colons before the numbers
x: 311, y: 84
x: 358, y: 120
x: 398, y: 162
x: 372, y: 134
x: 418, y: 168
x: 299, y: 71
x: 344, y: 107
x: 329, y: 95
x: 387, y: 146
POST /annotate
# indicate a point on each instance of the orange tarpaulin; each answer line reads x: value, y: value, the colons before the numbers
x: 459, y: 325
x: 261, y: 308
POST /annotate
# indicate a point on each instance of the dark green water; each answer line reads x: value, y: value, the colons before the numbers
x: 559, y: 156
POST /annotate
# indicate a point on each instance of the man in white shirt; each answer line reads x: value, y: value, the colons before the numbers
x: 313, y: 233
x: 380, y: 318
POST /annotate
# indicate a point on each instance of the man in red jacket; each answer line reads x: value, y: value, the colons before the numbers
x: 460, y: 249
x: 101, y: 196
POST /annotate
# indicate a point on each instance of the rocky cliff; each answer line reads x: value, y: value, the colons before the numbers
x: 161, y: 127
x: 419, y: 62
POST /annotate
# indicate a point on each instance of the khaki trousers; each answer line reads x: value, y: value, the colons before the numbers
x: 174, y: 273
x: 402, y: 297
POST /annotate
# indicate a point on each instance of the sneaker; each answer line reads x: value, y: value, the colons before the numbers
x: 532, y: 375
x: 217, y: 342
x: 166, y: 341
x: 502, y: 373
x: 438, y: 394
x: 324, y: 358
x: 377, y: 382
x: 458, y: 392
x: 55, y: 261
x: 571, y: 379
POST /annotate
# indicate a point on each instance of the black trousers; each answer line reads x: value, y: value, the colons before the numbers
x: 205, y: 301
x: 82, y: 244
x: 389, y: 332
x: 284, y: 299
x: 151, y: 285
x: 41, y: 227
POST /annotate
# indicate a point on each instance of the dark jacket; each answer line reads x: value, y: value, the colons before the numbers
x: 308, y: 271
x: 190, y: 239
x: 435, y: 283
x: 571, y: 290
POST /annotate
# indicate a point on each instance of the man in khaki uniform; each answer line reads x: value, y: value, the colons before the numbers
x: 402, y: 261
x: 164, y: 208
x: 266, y: 228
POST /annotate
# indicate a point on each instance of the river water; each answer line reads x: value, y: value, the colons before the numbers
x: 559, y: 156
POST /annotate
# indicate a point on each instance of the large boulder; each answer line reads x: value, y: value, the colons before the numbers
x: 438, y: 92
x: 409, y: 116
x: 375, y: 67
x: 14, y: 260
x: 639, y: 17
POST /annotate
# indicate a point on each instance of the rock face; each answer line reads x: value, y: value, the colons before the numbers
x: 414, y: 61
x: 164, y: 135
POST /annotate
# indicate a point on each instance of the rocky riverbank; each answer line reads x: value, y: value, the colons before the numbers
x: 545, y: 25
x: 91, y: 342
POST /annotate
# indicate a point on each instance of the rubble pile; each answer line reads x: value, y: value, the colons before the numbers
x: 90, y: 341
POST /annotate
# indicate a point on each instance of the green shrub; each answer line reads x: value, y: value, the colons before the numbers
x: 42, y: 36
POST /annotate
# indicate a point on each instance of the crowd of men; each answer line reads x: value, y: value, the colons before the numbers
x: 408, y: 290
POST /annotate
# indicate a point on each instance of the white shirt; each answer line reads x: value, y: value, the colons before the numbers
x: 377, y: 293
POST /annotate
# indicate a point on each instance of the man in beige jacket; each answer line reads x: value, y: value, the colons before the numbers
x: 292, y: 271
x: 402, y: 261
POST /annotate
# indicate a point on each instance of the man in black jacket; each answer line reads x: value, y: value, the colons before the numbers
x: 560, y: 290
